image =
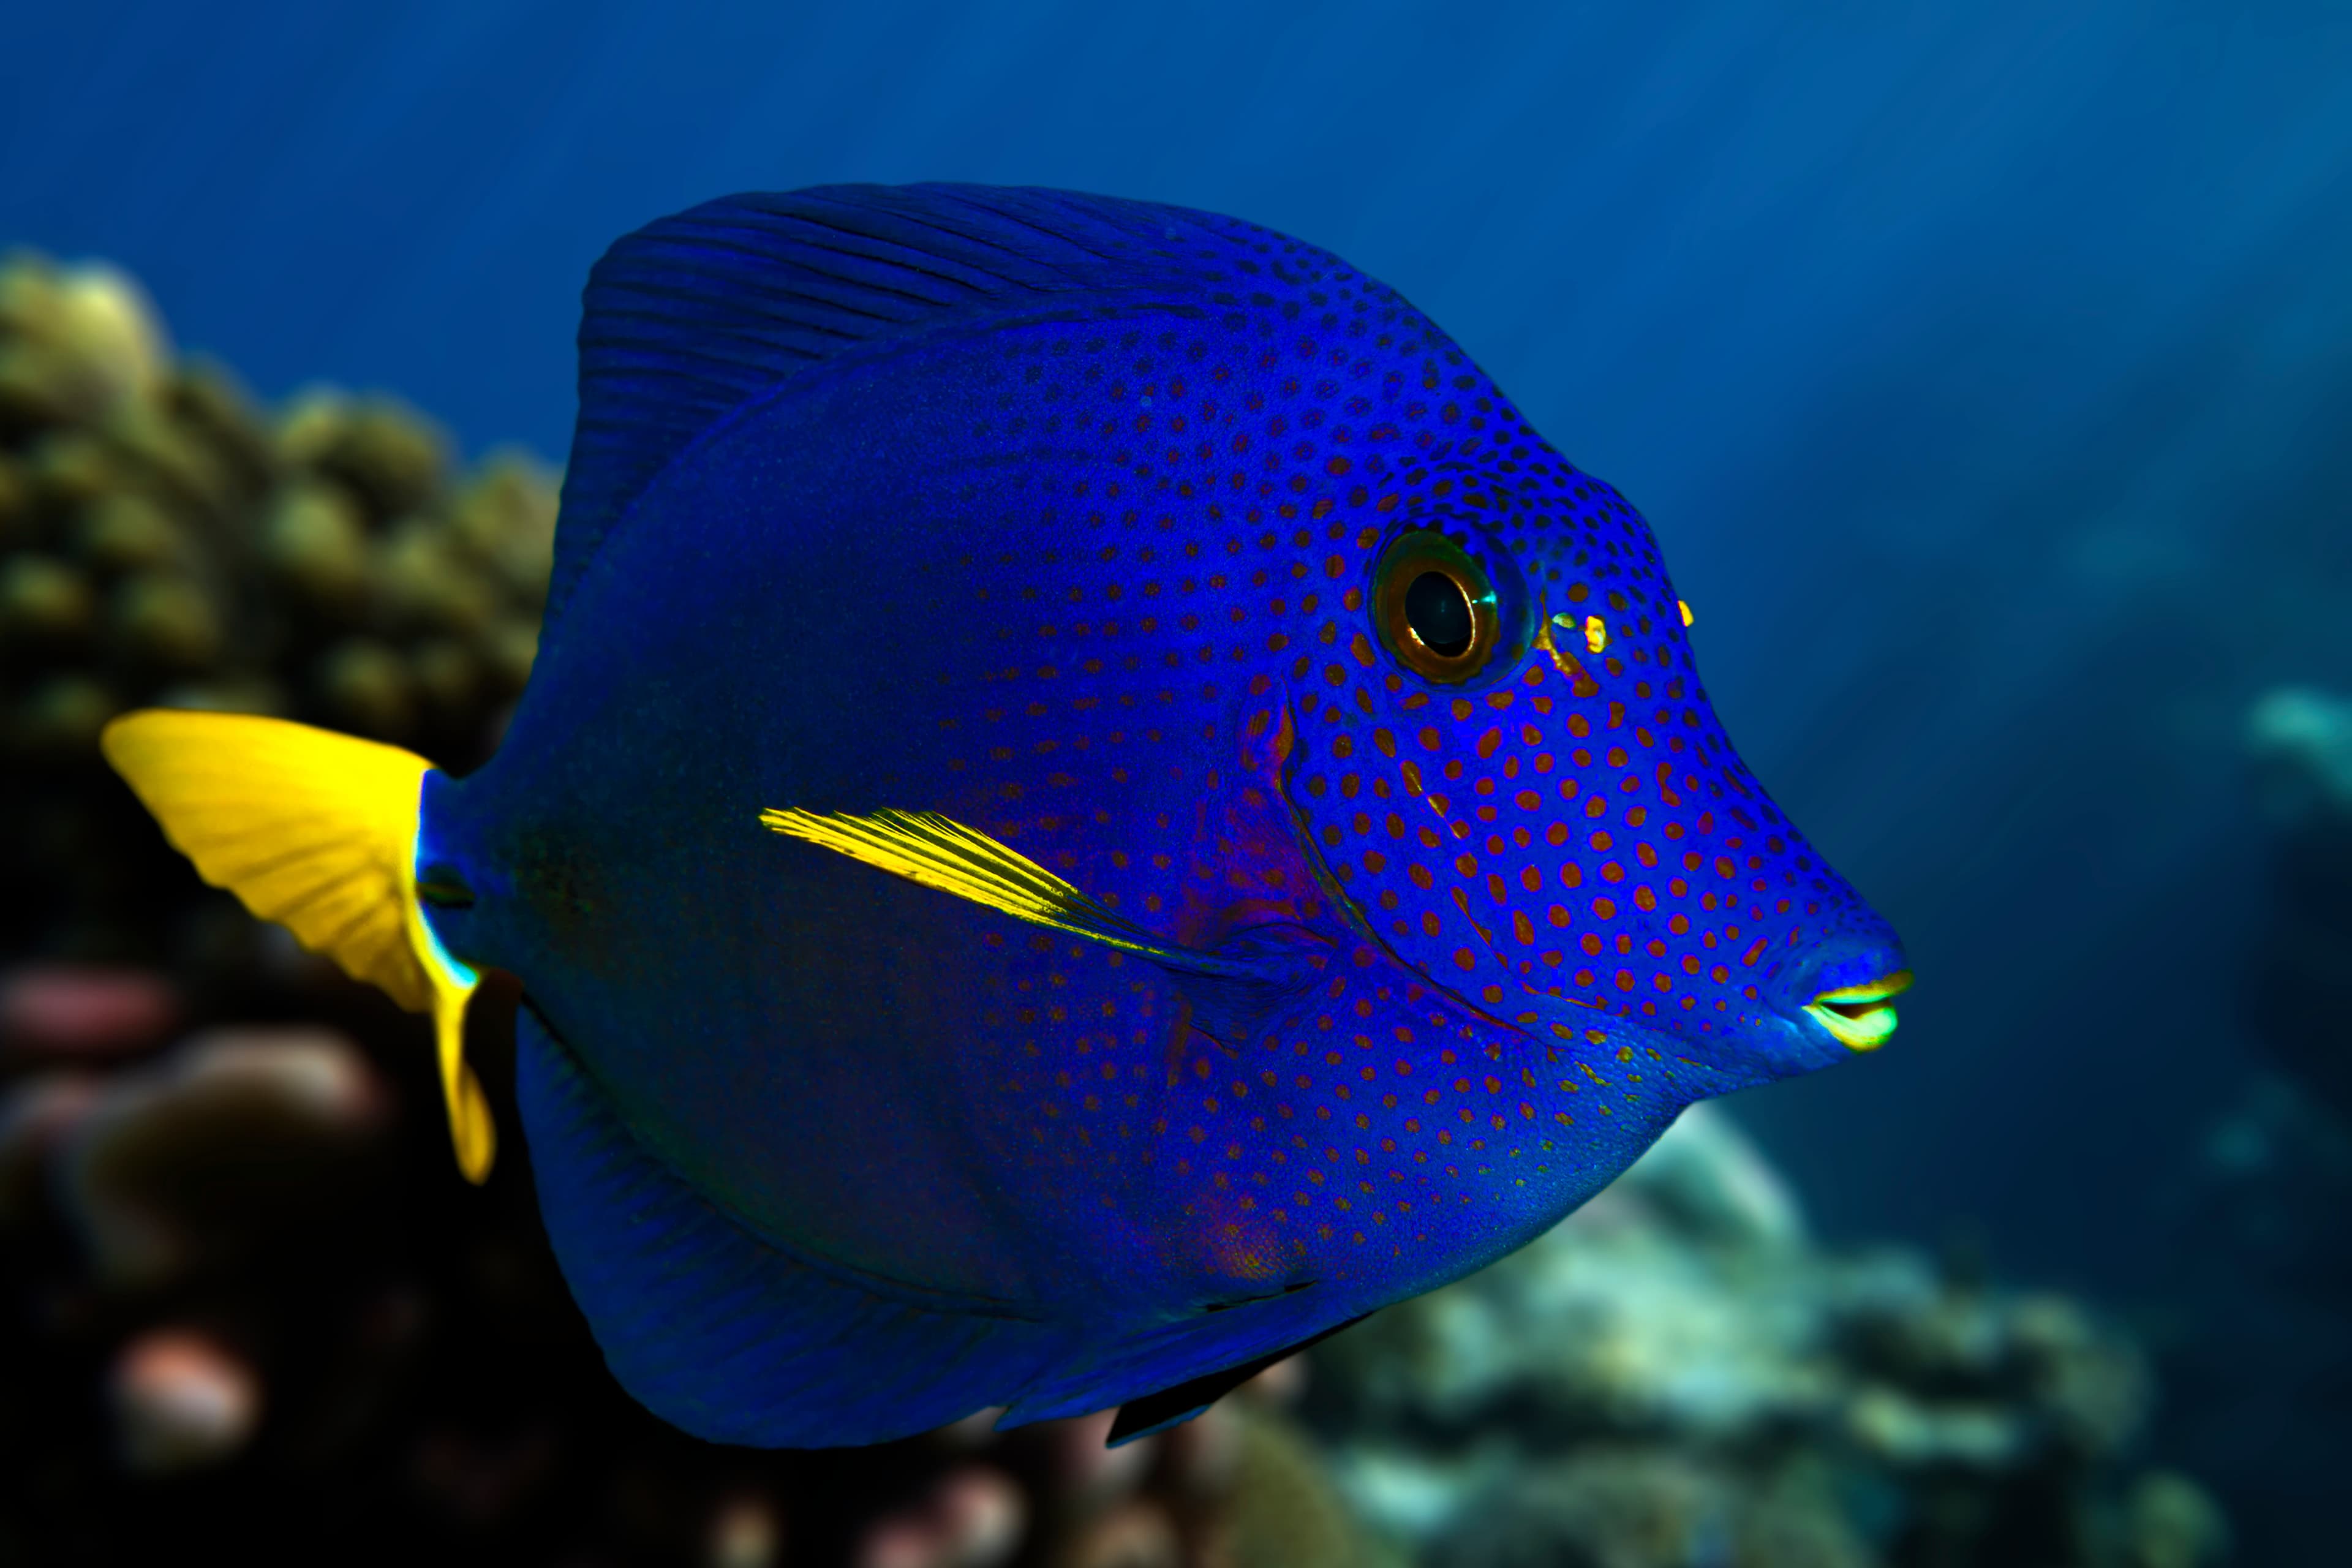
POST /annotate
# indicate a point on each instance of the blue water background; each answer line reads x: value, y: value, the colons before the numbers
x: 1985, y: 369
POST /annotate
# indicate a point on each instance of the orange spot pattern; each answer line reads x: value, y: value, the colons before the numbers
x: 1572, y: 889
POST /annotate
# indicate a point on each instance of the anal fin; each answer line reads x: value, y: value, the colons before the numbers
x: 716, y: 1331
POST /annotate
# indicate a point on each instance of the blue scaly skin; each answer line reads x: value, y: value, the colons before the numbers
x: 1116, y: 576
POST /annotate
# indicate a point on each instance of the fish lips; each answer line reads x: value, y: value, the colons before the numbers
x: 1841, y: 997
x: 1835, y: 1004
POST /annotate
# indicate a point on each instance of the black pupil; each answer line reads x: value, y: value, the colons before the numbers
x: 1438, y: 615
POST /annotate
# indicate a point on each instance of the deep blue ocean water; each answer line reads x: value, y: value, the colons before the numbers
x: 1985, y: 370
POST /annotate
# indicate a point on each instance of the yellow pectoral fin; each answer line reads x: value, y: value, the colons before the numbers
x: 941, y: 852
x: 317, y: 832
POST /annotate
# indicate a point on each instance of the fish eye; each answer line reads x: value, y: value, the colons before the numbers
x: 1437, y: 613
x: 1435, y: 607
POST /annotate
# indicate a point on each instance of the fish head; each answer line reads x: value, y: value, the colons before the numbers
x: 1528, y: 798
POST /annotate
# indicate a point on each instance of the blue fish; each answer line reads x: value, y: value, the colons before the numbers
x: 1094, y: 805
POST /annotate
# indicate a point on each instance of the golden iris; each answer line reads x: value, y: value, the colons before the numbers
x: 1435, y: 607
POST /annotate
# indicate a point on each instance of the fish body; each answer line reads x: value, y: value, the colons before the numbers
x: 1095, y: 804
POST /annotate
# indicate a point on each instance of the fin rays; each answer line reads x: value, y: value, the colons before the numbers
x: 317, y: 832
x: 697, y: 313
x: 715, y: 1330
x: 940, y: 852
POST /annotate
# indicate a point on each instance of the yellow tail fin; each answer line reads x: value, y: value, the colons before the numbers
x: 317, y: 832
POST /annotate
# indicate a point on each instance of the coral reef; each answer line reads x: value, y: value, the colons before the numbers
x: 2274, y: 1188
x: 1675, y: 1376
x: 2256, y: 1371
x: 182, y: 1401
x: 244, y: 1297
x: 163, y: 540
x: 2299, y: 993
x: 242, y: 1283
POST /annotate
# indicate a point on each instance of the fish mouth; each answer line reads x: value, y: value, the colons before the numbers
x: 1861, y: 1017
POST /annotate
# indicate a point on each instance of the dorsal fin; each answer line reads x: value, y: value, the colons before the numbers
x: 698, y: 314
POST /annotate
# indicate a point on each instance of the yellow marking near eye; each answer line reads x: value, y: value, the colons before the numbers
x: 1857, y: 1014
x: 1596, y: 633
x: 1561, y: 659
x: 1684, y: 608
